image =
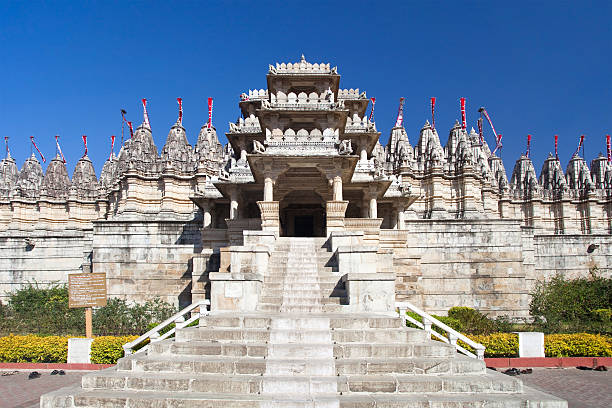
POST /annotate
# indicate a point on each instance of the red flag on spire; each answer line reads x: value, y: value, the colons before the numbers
x: 123, y: 120
x: 8, y: 153
x: 146, y: 114
x: 556, y: 147
x: 372, y: 111
x: 180, y: 118
x: 112, y: 147
x: 210, y: 107
x: 400, y: 114
x: 480, y: 131
x: 38, y: 150
x: 463, y: 121
x: 59, y: 149
x: 131, y: 129
x: 608, y: 148
x: 528, y: 145
x: 85, y: 143
x: 433, y: 109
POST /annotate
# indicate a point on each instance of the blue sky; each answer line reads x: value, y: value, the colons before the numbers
x: 539, y: 67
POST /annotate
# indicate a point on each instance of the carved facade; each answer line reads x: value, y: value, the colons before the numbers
x: 304, y: 160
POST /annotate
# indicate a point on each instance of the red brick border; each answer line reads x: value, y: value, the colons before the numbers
x: 548, y: 362
x: 53, y: 366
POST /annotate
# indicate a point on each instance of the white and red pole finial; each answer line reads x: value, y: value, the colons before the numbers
x: 85, y: 143
x: 146, y: 114
x: 433, y: 110
x: 608, y: 148
x: 59, y: 149
x: 528, y: 145
x: 400, y: 114
x: 8, y: 153
x: 112, y: 147
x: 210, y: 107
x: 180, y: 103
x: 373, y: 100
x: 123, y: 120
x: 37, y: 149
x: 463, y: 121
x: 480, y: 131
x: 131, y: 129
x: 579, y: 145
x: 557, y: 147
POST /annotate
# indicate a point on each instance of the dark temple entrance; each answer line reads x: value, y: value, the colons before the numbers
x: 302, y: 214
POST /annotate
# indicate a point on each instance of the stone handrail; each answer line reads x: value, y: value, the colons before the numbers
x: 452, y: 334
x: 178, y: 319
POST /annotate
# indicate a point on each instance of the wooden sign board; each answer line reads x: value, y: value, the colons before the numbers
x: 86, y: 289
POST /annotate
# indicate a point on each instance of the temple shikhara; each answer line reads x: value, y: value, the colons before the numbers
x: 302, y: 236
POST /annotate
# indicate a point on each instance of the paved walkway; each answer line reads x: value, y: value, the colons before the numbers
x: 582, y: 389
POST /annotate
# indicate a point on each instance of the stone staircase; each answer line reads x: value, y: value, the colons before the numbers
x: 299, y: 350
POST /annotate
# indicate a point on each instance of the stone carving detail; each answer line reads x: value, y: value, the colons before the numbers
x: 601, y: 173
x: 578, y: 176
x: 30, y: 178
x: 551, y: 176
x: 302, y: 67
x: 8, y: 176
x: 108, y: 175
x: 498, y: 172
x: 345, y: 147
x: 177, y: 153
x: 84, y: 180
x: 429, y: 151
x: 208, y: 152
x: 139, y: 154
x: 258, y: 147
x: 56, y: 182
x: 524, y: 180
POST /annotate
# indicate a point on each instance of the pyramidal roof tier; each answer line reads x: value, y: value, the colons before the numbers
x: 8, y: 176
x: 56, y: 182
x: 107, y: 177
x: 177, y: 152
x: 30, y: 178
x: 84, y: 180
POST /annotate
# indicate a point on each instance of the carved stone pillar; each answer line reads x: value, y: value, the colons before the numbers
x: 233, y: 203
x: 335, y: 211
x: 206, y: 214
x: 373, y: 213
x: 268, y: 189
x: 337, y: 188
x: 269, y: 216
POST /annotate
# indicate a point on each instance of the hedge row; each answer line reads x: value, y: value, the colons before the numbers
x: 555, y: 345
x: 54, y: 349
x: 108, y: 349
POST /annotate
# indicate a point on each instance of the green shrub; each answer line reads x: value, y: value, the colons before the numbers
x: 472, y: 321
x: 44, y: 310
x: 497, y: 344
x: 33, y: 349
x: 561, y: 305
x: 577, y: 345
x: 602, y: 315
x: 108, y: 349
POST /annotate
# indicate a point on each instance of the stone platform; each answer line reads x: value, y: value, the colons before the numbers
x: 302, y: 347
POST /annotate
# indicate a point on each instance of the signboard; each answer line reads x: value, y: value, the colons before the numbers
x: 86, y: 289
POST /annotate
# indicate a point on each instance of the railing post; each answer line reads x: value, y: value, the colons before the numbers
x: 178, y: 321
x: 480, y: 353
x: 427, y: 325
x: 154, y: 337
x: 127, y: 350
x: 452, y: 339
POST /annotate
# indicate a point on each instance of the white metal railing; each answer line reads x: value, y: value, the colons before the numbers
x: 179, y: 321
x: 452, y: 335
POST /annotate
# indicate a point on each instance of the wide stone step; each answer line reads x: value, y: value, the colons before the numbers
x: 321, y: 321
x: 313, y: 366
x: 301, y: 279
x: 299, y: 299
x: 288, y: 350
x: 139, y: 399
x: 254, y: 384
x: 327, y: 308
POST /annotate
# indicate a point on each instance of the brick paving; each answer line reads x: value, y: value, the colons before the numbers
x: 582, y: 389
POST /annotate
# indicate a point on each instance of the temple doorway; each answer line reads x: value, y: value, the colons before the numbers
x: 302, y: 214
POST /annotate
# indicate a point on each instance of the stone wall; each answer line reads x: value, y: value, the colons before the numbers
x: 147, y: 259
x: 477, y: 263
x: 49, y: 258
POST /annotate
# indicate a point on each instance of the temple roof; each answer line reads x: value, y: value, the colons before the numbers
x: 56, y: 182
x: 30, y: 178
x: 84, y: 180
x: 302, y: 67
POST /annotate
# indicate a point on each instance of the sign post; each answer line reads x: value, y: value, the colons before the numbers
x: 87, y: 290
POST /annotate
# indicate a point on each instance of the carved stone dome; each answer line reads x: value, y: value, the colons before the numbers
x: 84, y: 180
x: 30, y: 178
x: 56, y: 183
x: 177, y: 152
